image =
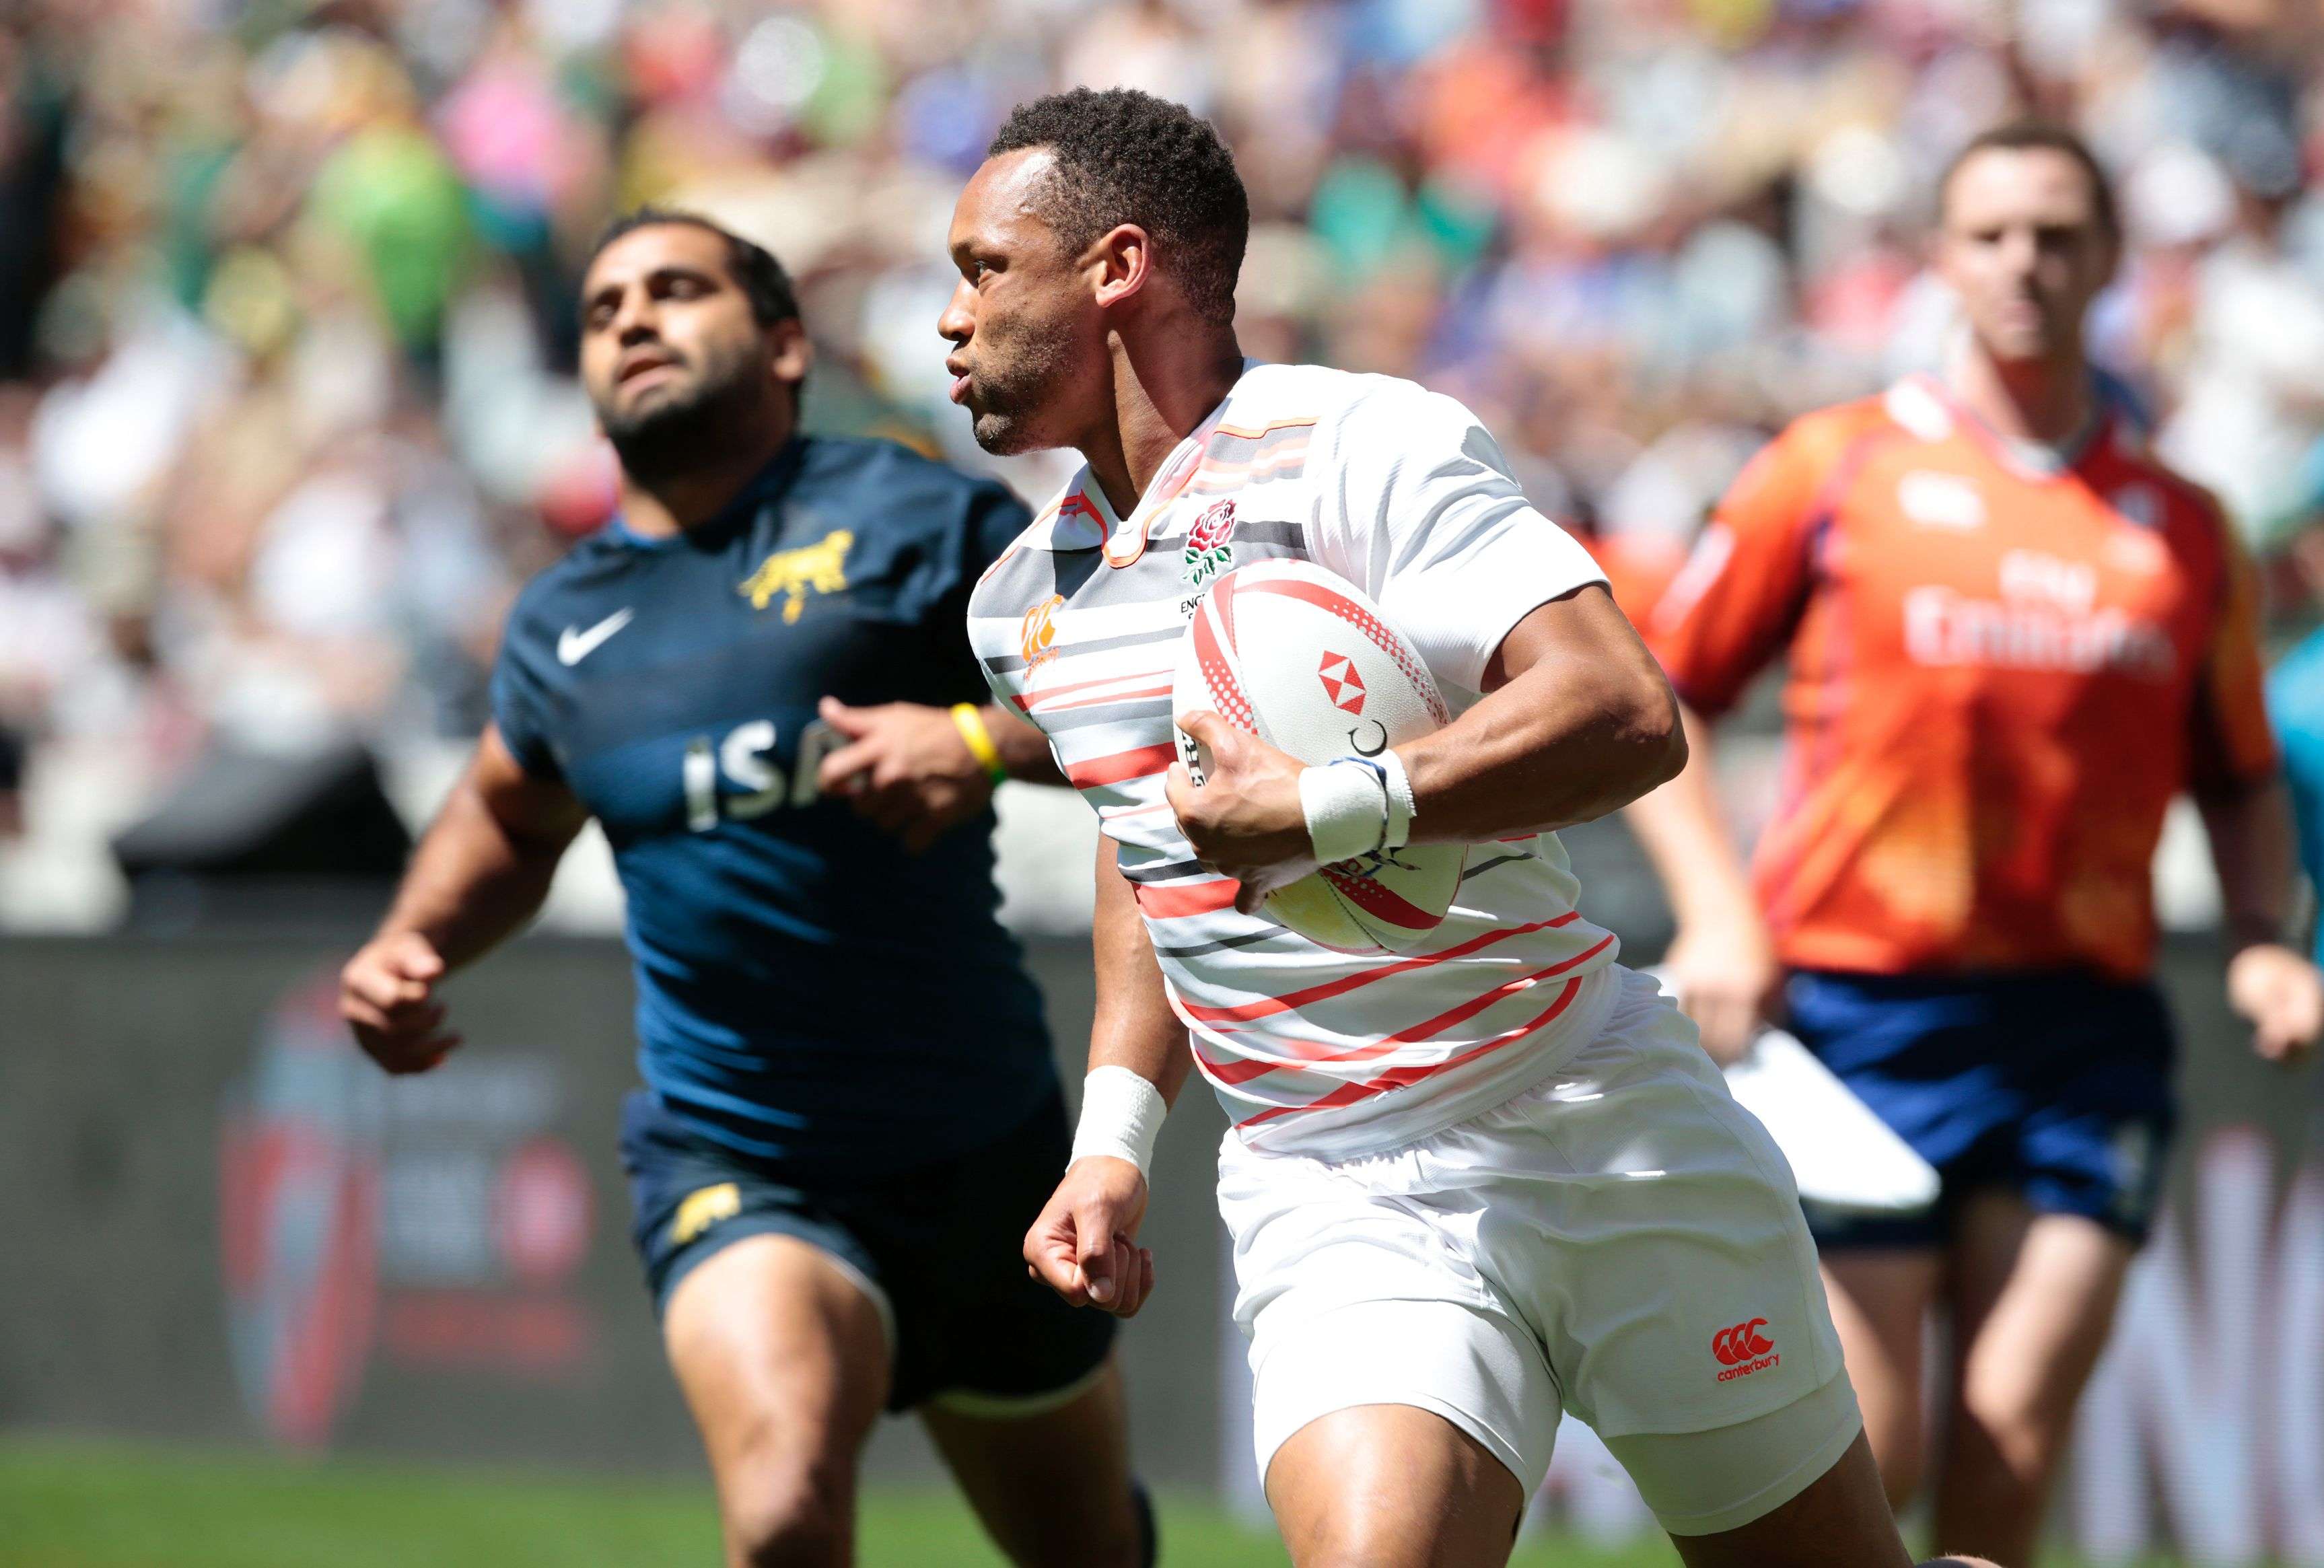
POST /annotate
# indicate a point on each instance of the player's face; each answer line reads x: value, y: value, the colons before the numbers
x: 2022, y: 247
x: 1028, y: 343
x: 671, y: 356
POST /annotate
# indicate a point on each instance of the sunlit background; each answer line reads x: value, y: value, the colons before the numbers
x: 287, y: 413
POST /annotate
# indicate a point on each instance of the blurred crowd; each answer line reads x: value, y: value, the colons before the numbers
x: 287, y: 408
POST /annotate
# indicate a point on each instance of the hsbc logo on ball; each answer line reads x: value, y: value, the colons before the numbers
x: 1343, y: 689
x: 1742, y: 1350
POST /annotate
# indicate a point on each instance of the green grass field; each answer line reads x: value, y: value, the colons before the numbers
x: 83, y: 1505
x: 69, y: 1504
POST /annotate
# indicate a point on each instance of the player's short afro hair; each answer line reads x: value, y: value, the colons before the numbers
x: 1124, y: 156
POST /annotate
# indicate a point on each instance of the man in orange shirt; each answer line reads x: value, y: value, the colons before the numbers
x: 2013, y: 636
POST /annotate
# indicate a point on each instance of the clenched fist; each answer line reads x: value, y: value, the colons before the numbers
x: 905, y: 769
x: 1084, y: 1245
x: 387, y: 995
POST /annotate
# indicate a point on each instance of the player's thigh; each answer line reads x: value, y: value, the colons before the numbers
x: 2034, y: 1302
x: 1392, y: 1486
x: 1840, y: 1520
x: 1050, y: 1481
x: 782, y: 1356
x: 1880, y: 1301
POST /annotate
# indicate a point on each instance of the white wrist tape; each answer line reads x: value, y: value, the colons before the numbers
x: 1401, y: 809
x: 1346, y: 806
x: 1122, y: 1112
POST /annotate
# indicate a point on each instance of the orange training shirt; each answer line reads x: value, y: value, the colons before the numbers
x: 2000, y: 675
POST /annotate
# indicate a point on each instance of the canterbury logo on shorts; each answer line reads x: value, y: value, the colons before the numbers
x: 1743, y: 1350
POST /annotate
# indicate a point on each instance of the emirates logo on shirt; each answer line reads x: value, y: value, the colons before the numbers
x: 1343, y: 689
x: 1210, y: 543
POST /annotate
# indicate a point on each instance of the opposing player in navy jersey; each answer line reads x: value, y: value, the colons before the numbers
x: 755, y: 679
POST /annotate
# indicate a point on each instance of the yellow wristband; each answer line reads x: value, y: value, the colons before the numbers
x: 971, y: 725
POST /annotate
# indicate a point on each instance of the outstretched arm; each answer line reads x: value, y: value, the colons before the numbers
x: 1577, y: 722
x: 480, y: 872
x: 1084, y: 1245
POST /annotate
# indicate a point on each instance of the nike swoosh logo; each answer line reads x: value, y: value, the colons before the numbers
x: 573, y: 647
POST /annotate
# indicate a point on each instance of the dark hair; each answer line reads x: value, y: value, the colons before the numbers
x: 2040, y: 135
x: 760, y: 277
x: 1124, y: 156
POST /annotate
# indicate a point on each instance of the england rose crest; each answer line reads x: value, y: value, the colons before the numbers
x: 1210, y: 543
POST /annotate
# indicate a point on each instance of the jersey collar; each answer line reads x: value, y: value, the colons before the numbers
x: 760, y: 488
x: 2029, y: 460
x: 1086, y: 520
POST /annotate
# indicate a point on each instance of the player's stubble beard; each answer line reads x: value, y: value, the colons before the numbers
x: 1022, y: 379
x: 724, y: 408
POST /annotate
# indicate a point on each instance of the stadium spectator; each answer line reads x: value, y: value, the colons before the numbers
x: 272, y: 246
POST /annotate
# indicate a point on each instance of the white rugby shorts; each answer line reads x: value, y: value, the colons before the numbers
x: 1620, y: 1240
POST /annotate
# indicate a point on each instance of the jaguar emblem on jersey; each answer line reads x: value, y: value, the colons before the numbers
x: 703, y: 1208
x: 1038, y: 641
x: 1210, y: 543
x: 1342, y: 686
x: 816, y: 568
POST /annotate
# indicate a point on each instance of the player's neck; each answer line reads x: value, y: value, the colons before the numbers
x: 1163, y: 388
x: 658, y: 505
x: 2046, y: 402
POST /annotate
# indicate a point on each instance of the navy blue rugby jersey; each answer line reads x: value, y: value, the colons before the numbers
x: 808, y: 993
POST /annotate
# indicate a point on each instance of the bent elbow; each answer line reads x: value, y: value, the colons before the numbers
x: 1658, y: 736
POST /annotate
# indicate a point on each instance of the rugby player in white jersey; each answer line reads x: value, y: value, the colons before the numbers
x: 1468, y: 1187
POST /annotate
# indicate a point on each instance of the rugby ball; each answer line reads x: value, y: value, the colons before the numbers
x: 1299, y: 657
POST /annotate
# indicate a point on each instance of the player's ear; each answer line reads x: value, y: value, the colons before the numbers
x: 791, y: 351
x: 1119, y: 263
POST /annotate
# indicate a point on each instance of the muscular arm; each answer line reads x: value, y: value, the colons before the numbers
x: 1083, y: 1245
x: 2273, y: 987
x: 1577, y: 721
x: 480, y: 871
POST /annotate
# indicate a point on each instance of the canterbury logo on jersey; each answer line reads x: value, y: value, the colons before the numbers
x: 1038, y: 637
x: 819, y: 568
x: 1742, y: 1350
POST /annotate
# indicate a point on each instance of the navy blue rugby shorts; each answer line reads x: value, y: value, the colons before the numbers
x: 2054, y: 1086
x: 937, y: 1247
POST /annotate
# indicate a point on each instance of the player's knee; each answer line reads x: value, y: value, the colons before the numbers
x: 789, y: 1514
x: 1357, y: 1543
x: 2023, y: 1422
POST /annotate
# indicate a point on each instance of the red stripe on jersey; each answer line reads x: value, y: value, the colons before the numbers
x: 1403, y: 1077
x: 1241, y: 1072
x: 1101, y: 698
x: 1026, y: 701
x: 1174, y: 900
x: 1243, y: 1012
x: 1143, y: 763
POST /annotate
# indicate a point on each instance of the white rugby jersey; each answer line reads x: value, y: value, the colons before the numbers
x: 1402, y: 492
